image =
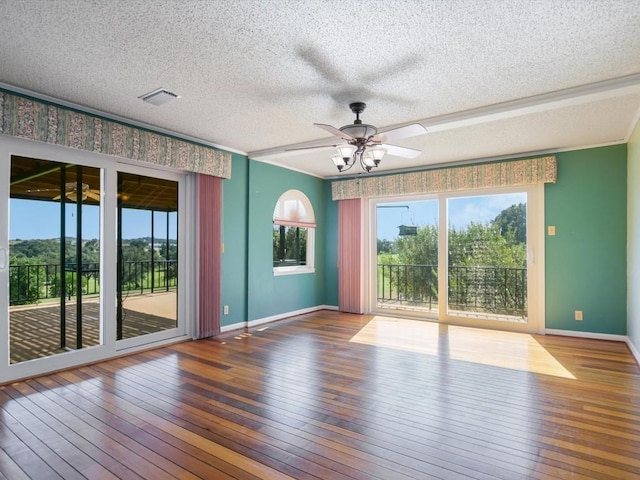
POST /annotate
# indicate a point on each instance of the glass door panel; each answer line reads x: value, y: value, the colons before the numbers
x: 407, y: 256
x: 487, y: 257
x: 54, y: 258
x: 147, y: 284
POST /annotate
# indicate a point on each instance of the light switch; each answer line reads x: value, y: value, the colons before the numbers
x: 551, y: 230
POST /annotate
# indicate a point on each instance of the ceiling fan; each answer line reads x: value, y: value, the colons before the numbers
x: 365, y: 144
x: 71, y: 192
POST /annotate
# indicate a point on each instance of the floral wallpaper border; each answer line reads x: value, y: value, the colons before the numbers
x: 490, y: 175
x: 31, y: 119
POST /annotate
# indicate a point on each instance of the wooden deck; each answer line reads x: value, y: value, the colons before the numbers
x: 35, y: 330
x: 335, y: 396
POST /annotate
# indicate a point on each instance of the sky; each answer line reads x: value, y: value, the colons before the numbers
x: 462, y: 211
x: 31, y: 219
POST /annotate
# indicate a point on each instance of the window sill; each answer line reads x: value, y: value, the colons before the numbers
x: 278, y: 271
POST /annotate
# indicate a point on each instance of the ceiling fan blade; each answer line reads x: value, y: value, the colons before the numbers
x: 57, y: 197
x: 93, y: 195
x: 334, y: 131
x: 400, y: 132
x: 315, y: 147
x: 401, y: 151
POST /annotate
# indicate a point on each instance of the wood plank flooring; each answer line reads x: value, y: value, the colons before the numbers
x: 329, y: 396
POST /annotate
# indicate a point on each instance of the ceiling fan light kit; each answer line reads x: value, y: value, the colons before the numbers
x: 365, y: 144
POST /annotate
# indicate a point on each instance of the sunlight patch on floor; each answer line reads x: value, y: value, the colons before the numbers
x: 161, y: 304
x: 517, y: 351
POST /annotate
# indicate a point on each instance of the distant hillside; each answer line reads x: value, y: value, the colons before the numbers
x: 48, y: 250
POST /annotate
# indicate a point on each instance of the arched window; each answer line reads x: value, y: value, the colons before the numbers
x: 294, y: 226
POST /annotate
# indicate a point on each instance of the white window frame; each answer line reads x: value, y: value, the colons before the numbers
x: 304, y: 218
x: 535, y: 256
x: 109, y: 347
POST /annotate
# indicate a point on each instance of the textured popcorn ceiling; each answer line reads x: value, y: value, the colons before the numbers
x: 487, y: 78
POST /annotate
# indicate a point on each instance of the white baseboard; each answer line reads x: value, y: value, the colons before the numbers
x: 634, y: 350
x: 233, y: 326
x: 273, y: 318
x: 596, y: 336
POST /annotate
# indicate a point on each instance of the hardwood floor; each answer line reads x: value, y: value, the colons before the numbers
x: 335, y: 396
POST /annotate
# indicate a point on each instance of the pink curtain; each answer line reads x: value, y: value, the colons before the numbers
x: 350, y: 262
x: 210, y: 251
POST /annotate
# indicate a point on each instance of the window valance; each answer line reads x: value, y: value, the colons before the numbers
x: 37, y: 120
x: 490, y: 175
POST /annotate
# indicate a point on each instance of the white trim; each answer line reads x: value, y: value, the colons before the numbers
x: 634, y: 351
x: 31, y: 372
x: 287, y: 167
x: 117, y: 118
x: 280, y: 214
x: 537, y: 103
x: 632, y: 126
x: 109, y: 347
x: 273, y: 318
x: 293, y: 270
x: 592, y: 335
x: 535, y: 253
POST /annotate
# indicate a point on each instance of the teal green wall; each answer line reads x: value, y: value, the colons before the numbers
x: 267, y: 294
x: 234, y: 236
x: 585, y: 266
x: 249, y: 287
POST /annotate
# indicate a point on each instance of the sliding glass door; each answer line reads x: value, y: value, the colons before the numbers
x: 407, y: 256
x: 147, y: 282
x: 458, y: 258
x: 487, y: 257
x: 93, y: 254
x: 54, y: 258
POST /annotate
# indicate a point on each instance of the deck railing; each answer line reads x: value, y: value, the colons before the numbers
x: 493, y: 290
x: 32, y: 283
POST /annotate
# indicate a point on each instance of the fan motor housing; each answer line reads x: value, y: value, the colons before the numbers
x: 359, y: 130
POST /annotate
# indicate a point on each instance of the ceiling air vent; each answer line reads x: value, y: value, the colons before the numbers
x: 159, y: 97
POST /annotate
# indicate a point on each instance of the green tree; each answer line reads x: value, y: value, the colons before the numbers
x: 486, y: 264
x: 485, y: 246
x: 290, y: 249
x: 420, y: 249
x: 26, y: 279
x: 513, y: 218
x: 385, y: 246
x: 486, y: 269
x: 136, y: 256
x: 412, y: 272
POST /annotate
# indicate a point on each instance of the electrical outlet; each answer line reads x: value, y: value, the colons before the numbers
x: 578, y: 315
x: 225, y: 310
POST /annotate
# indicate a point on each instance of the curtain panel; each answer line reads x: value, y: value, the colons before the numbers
x: 210, y: 254
x: 350, y: 261
x: 490, y: 175
x: 37, y: 120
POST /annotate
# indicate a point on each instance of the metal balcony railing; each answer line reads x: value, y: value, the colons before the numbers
x: 492, y: 290
x: 31, y: 283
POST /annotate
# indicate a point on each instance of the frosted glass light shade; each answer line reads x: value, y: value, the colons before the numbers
x: 346, y: 151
